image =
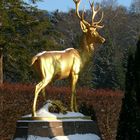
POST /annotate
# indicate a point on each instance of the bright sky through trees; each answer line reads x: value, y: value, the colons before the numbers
x: 65, y: 5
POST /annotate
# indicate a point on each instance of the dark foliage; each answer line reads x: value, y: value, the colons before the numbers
x: 137, y: 71
x: 26, y: 30
x: 87, y: 110
x: 129, y: 123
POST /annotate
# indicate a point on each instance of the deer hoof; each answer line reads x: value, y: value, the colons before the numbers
x: 33, y: 114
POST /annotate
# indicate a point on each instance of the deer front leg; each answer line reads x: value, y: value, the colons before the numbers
x: 73, y: 96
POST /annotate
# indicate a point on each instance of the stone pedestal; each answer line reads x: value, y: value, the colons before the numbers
x: 54, y: 128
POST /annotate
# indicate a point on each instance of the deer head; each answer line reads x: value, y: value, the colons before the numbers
x: 90, y: 30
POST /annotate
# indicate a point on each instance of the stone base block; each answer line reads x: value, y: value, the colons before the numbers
x: 54, y: 128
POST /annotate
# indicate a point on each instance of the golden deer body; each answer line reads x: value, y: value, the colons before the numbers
x: 67, y: 63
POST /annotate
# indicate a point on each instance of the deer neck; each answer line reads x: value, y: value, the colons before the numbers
x: 85, y: 49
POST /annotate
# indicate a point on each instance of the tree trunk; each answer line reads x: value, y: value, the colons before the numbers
x: 1, y: 66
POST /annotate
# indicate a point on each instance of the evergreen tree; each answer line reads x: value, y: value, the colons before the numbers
x: 129, y: 123
x: 23, y: 32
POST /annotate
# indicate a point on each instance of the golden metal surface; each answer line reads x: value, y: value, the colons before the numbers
x: 68, y: 63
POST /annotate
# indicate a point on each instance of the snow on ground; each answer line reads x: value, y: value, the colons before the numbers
x: 70, y: 137
x: 70, y: 116
x: 43, y: 112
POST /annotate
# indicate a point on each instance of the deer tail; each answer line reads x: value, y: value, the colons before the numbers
x: 34, y: 59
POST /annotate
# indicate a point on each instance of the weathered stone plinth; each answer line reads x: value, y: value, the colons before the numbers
x: 54, y: 128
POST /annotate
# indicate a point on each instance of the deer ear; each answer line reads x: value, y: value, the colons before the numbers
x: 83, y: 27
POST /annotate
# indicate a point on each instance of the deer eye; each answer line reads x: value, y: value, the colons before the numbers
x: 93, y: 33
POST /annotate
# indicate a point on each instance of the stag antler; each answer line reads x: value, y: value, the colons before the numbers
x: 94, y: 24
x: 94, y: 12
x: 77, y: 3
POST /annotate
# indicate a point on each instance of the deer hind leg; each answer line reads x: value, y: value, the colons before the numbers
x: 41, y: 85
x: 73, y: 96
x: 44, y: 94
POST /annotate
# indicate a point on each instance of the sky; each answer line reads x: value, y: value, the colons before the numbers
x: 66, y: 5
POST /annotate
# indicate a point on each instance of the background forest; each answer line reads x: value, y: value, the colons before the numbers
x: 26, y: 30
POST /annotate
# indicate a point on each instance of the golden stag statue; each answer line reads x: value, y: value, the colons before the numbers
x: 68, y: 63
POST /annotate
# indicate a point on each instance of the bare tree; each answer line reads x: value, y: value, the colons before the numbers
x: 135, y: 6
x: 1, y: 66
x: 109, y: 3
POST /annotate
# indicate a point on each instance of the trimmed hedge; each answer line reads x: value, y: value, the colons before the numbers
x: 16, y: 100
